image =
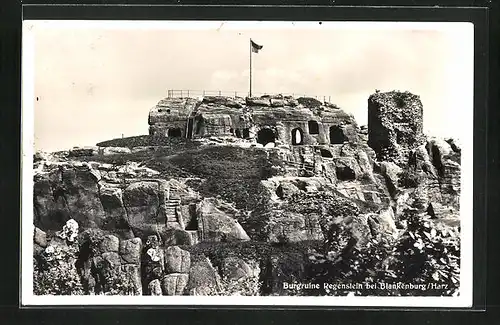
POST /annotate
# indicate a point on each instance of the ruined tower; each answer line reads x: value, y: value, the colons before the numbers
x: 395, y: 124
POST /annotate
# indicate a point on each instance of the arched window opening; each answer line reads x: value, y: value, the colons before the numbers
x: 337, y: 135
x: 200, y: 124
x: 190, y: 128
x: 297, y: 136
x: 238, y: 133
x: 246, y: 133
x: 265, y: 136
x: 177, y: 132
x: 313, y: 127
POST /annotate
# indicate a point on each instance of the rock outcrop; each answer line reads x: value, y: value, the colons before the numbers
x: 395, y: 124
x: 255, y: 178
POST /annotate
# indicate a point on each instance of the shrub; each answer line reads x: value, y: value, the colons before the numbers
x: 427, y: 253
x: 55, y: 272
x: 118, y: 282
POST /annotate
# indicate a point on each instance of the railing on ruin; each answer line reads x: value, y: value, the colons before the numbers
x: 188, y: 93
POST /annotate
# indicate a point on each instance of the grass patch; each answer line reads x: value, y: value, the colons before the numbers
x: 147, y: 140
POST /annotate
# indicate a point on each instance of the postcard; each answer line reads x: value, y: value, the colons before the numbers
x: 247, y: 163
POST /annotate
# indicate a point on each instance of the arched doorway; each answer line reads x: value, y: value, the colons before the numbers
x: 313, y: 127
x: 297, y: 136
x: 175, y: 133
x: 265, y: 136
x: 337, y: 135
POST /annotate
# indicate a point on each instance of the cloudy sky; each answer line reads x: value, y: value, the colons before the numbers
x: 94, y: 82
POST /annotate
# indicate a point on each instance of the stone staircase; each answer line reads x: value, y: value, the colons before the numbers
x: 170, y: 207
x: 171, y: 210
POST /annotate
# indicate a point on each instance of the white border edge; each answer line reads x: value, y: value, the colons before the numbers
x: 27, y: 147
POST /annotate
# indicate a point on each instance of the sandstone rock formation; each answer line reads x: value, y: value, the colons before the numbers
x: 255, y: 178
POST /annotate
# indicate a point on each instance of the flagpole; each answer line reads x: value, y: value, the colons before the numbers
x: 250, y: 94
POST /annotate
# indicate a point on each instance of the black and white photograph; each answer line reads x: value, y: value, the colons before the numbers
x: 247, y: 163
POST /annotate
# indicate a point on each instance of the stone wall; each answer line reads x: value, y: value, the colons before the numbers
x: 224, y: 116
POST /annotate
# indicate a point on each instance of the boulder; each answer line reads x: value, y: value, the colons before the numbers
x: 293, y: 227
x: 383, y: 224
x: 177, y: 237
x: 203, y: 278
x: 66, y: 191
x: 365, y: 165
x: 110, y: 243
x: 217, y: 225
x: 112, y: 202
x: 154, y: 288
x: 132, y: 274
x: 40, y: 237
x: 130, y: 251
x: 391, y: 173
x: 177, y: 260
x: 144, y: 202
x: 174, y: 284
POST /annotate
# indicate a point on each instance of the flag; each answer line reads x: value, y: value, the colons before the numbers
x: 255, y: 47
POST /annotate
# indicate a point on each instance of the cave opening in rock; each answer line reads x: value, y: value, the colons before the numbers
x: 297, y: 136
x: 313, y: 127
x: 265, y: 136
x: 193, y: 220
x: 174, y: 133
x: 193, y: 224
x: 345, y: 173
x: 337, y: 135
x: 246, y: 133
x: 326, y: 153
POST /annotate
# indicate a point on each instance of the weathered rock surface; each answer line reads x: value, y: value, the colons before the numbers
x: 383, y: 224
x: 315, y: 180
x: 203, y: 278
x: 110, y: 243
x: 174, y: 284
x: 234, y: 268
x: 130, y: 250
x: 177, y: 260
x: 154, y: 288
x: 40, y: 237
x: 216, y: 225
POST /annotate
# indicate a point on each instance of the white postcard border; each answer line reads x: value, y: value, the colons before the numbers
x: 27, y: 137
